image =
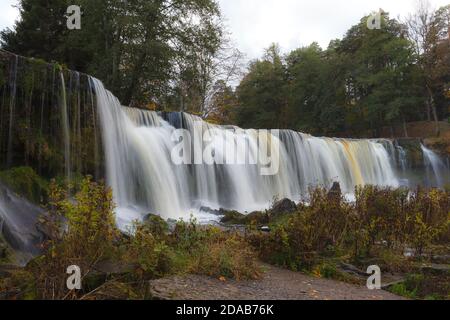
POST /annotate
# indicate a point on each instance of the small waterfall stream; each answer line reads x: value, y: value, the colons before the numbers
x: 18, y: 219
x: 437, y: 171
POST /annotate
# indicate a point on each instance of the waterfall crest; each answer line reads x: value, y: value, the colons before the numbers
x: 138, y: 146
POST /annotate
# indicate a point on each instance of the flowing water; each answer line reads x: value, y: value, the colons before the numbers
x: 18, y: 219
x: 65, y: 124
x: 436, y: 169
x: 145, y: 179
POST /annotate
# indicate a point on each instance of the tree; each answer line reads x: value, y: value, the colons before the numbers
x: 223, y: 105
x: 133, y: 46
x: 428, y: 30
x: 307, y: 93
x: 379, y: 81
x: 262, y: 93
x: 39, y: 32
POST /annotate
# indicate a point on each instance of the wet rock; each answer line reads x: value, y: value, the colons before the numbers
x: 212, y: 211
x: 282, y: 207
x: 352, y: 270
x: 257, y: 217
x: 4, y: 250
x: 414, y: 151
x: 156, y: 224
x: 232, y: 217
x: 436, y: 269
x: 172, y: 223
x: 335, y: 191
x: 441, y: 259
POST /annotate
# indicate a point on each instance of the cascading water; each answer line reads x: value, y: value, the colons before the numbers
x: 65, y: 127
x: 19, y: 228
x: 59, y: 123
x: 139, y: 168
x: 436, y: 170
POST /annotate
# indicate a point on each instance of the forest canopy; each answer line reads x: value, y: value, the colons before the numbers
x: 367, y: 80
x: 176, y: 55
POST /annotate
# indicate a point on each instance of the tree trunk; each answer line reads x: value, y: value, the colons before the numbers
x: 405, y: 129
x: 432, y: 106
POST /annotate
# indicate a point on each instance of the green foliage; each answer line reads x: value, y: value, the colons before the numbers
x: 368, y: 80
x: 21, y: 282
x: 25, y: 181
x: 262, y: 93
x: 213, y: 252
x: 401, y: 290
x: 422, y: 286
x: 81, y: 232
x: 190, y: 248
x: 138, y: 48
x: 381, y: 223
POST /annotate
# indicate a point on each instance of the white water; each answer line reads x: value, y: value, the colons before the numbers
x: 435, y: 167
x: 18, y: 219
x: 145, y: 180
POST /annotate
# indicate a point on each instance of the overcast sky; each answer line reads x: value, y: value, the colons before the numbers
x: 255, y: 24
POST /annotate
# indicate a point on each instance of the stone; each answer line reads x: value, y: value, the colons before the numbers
x: 335, y: 191
x: 212, y: 211
x: 282, y: 207
x: 232, y: 217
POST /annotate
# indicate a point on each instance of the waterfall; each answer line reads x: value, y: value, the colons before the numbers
x: 12, y: 103
x: 138, y: 164
x: 65, y: 127
x: 139, y: 168
x: 68, y: 124
x: 436, y: 169
x: 18, y: 219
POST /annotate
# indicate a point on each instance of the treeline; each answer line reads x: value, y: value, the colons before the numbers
x: 175, y: 55
x: 150, y: 53
x: 368, y: 80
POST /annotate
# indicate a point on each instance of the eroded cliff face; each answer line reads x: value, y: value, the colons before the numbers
x: 48, y: 130
x: 48, y: 120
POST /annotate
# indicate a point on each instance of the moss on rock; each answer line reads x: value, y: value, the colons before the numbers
x: 26, y: 182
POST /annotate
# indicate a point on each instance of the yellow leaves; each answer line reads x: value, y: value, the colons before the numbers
x: 316, y: 272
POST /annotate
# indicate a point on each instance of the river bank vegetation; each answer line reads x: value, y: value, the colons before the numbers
x: 405, y: 233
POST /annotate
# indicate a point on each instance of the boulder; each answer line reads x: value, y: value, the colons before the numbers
x: 212, y: 211
x: 282, y: 207
x: 335, y: 191
x: 157, y: 225
x: 232, y: 217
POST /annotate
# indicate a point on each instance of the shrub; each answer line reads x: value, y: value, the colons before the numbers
x: 388, y: 220
x: 229, y: 257
x: 151, y: 255
x: 312, y: 230
x: 80, y: 232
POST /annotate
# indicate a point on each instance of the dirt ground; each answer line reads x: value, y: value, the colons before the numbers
x: 276, y: 284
